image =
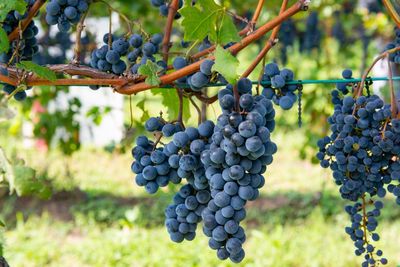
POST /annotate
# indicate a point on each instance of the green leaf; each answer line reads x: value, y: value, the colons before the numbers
x: 150, y: 70
x: 6, y: 171
x: 227, y: 31
x: 207, y: 18
x: 142, y: 107
x: 170, y: 100
x: 42, y: 72
x: 198, y: 23
x: 226, y: 65
x: 2, y: 224
x: 25, y: 181
x: 8, y: 5
x: 4, y: 43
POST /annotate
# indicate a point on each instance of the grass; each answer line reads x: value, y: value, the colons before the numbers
x: 98, y: 217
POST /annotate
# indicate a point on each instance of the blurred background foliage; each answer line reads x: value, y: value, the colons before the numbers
x: 85, y: 204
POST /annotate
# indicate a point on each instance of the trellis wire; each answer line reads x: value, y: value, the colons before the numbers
x: 327, y: 81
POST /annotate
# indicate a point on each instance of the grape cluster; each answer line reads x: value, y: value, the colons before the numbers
x: 238, y: 155
x: 183, y: 216
x: 60, y: 44
x: 222, y: 164
x: 287, y: 36
x: 151, y: 164
x: 143, y: 52
x: 360, y: 229
x: 394, y: 57
x: 20, y: 49
x: 312, y: 37
x: 279, y: 92
x: 362, y: 151
x: 65, y: 13
x: 163, y: 7
x: 199, y: 79
x: 338, y: 31
x: 108, y: 58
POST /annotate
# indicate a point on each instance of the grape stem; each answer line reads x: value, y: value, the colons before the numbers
x: 180, y: 114
x: 197, y: 109
x: 359, y: 90
x: 31, y: 14
x: 392, y: 11
x: 78, y: 46
x: 205, y: 99
x: 173, y: 8
x: 268, y: 45
x: 393, y: 104
x: 125, y: 18
x: 260, y: 77
x: 364, y: 224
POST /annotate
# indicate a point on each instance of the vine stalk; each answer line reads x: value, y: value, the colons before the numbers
x: 173, y: 8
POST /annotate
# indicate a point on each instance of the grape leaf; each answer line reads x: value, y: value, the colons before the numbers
x: 4, y: 44
x: 42, y: 72
x: 8, y: 5
x: 141, y: 105
x: 227, y: 31
x: 170, y: 100
x: 150, y: 70
x: 199, y: 23
x: 226, y: 65
x: 207, y: 18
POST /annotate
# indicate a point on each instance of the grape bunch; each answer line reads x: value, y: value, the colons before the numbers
x: 338, y: 31
x: 279, y: 92
x: 60, y: 43
x: 65, y: 13
x: 238, y: 155
x: 163, y: 7
x: 222, y: 165
x: 312, y: 37
x: 361, y: 230
x: 20, y: 49
x: 287, y: 37
x: 394, y: 57
x: 108, y: 58
x: 151, y: 164
x: 184, y: 214
x: 199, y: 79
x: 176, y: 160
x: 362, y: 151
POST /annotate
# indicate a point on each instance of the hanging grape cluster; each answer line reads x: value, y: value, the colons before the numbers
x: 363, y: 154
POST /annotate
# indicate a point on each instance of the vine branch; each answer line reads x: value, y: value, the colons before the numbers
x: 268, y: 45
x: 79, y: 29
x: 257, y: 34
x: 173, y: 8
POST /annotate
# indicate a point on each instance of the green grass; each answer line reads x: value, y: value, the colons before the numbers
x: 98, y: 217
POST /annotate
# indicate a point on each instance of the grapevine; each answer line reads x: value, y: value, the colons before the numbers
x: 218, y: 166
